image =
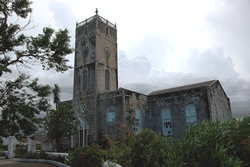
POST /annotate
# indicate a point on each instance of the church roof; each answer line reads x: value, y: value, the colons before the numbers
x: 186, y: 87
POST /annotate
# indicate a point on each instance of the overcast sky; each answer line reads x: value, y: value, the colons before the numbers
x: 164, y: 43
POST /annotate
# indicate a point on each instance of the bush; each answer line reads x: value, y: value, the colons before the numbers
x: 92, y: 156
x: 149, y: 149
x: 213, y: 144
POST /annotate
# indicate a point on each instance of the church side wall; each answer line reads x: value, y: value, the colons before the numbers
x: 133, y: 101
x: 220, y: 103
x: 106, y: 101
x: 176, y: 102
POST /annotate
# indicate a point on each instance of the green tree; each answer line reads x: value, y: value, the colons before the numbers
x: 21, y: 102
x: 60, y: 123
x: 21, y: 99
x: 16, y: 48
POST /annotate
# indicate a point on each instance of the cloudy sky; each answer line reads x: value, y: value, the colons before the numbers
x: 164, y: 43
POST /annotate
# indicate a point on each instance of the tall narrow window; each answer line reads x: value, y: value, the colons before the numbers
x: 166, y: 122
x: 107, y: 79
x: 215, y: 110
x: 85, y: 30
x: 107, y: 30
x: 84, y: 80
x: 111, y: 121
x: 138, y: 120
x: 190, y: 114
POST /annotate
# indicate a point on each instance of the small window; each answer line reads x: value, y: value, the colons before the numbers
x: 138, y: 120
x: 107, y: 30
x: 84, y: 80
x: 166, y: 122
x: 190, y: 114
x: 85, y: 30
x: 83, y: 109
x: 107, y: 80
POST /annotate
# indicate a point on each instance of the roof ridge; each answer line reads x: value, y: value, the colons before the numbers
x: 178, y: 88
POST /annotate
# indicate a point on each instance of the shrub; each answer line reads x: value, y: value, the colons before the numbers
x: 212, y: 144
x: 149, y: 149
x: 92, y: 156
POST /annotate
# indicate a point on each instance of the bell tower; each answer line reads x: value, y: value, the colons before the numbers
x: 95, y: 56
x: 95, y: 71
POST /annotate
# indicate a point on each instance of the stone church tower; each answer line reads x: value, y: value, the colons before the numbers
x: 95, y: 70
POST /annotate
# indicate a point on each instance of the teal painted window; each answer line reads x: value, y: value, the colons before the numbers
x: 166, y: 121
x: 190, y: 114
x: 111, y: 121
x: 138, y: 120
x: 84, y: 80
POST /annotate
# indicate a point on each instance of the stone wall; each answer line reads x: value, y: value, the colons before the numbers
x: 176, y: 102
x: 219, y: 103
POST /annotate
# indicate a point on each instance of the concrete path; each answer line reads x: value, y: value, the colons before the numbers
x: 11, y: 163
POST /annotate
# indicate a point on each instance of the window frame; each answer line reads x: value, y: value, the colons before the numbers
x: 167, y: 121
x: 138, y: 120
x: 190, y: 122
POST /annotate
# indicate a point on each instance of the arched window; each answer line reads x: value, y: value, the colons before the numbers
x: 111, y: 121
x: 107, y: 79
x: 166, y: 121
x: 84, y: 80
x: 190, y: 114
x: 138, y: 120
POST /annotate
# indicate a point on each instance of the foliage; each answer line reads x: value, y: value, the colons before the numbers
x: 87, y: 157
x: 16, y: 48
x: 3, y: 147
x: 151, y: 148
x: 60, y: 123
x: 212, y: 144
x: 21, y: 101
x: 119, y: 150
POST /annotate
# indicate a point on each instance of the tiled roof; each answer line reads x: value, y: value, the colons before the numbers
x: 197, y: 85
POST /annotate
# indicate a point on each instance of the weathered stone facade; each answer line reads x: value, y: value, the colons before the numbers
x: 99, y: 104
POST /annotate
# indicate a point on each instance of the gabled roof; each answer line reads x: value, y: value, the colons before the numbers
x: 197, y: 85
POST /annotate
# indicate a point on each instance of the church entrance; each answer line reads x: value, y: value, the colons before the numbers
x: 83, y: 138
x: 82, y: 134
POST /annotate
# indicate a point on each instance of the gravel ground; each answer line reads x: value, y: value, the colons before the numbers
x: 10, y: 163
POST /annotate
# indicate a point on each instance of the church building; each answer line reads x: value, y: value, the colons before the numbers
x: 99, y: 104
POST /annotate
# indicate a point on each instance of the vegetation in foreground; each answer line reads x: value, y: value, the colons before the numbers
x: 209, y: 144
